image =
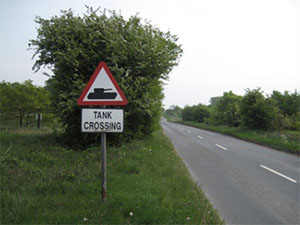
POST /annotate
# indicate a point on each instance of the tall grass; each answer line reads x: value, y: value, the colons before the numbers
x: 147, y: 183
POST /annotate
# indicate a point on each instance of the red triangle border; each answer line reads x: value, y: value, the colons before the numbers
x: 101, y: 65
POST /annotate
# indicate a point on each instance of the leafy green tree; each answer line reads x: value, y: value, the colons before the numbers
x: 187, y: 113
x: 139, y: 55
x: 22, y: 99
x: 227, y: 109
x: 196, y: 113
x: 174, y: 111
x: 214, y: 100
x: 200, y: 113
x: 257, y: 112
x: 289, y: 109
x: 288, y: 103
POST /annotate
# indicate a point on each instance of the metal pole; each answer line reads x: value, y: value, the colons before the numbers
x: 103, y: 148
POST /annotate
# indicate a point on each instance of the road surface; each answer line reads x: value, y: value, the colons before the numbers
x: 245, y: 182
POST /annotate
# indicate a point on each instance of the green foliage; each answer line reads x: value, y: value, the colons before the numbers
x: 139, y: 55
x: 258, y: 112
x: 289, y: 104
x: 227, y: 109
x: 252, y: 111
x: 174, y: 112
x: 289, y: 110
x: 214, y: 100
x: 22, y: 100
x: 252, y: 116
x: 196, y: 113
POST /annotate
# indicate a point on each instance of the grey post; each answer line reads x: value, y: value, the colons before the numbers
x: 103, y: 148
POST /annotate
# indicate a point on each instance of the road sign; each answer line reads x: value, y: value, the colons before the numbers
x: 102, y: 89
x: 102, y: 120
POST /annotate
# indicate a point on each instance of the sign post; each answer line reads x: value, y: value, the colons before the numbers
x: 102, y: 90
x: 103, y: 167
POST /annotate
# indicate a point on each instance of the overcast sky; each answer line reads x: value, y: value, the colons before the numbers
x: 228, y: 44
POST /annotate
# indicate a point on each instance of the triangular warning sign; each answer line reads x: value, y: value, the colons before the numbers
x: 102, y: 89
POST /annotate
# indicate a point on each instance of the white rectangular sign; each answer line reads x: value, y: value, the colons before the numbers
x: 102, y: 120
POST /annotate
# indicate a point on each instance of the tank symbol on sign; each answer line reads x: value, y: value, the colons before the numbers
x: 99, y: 93
x: 102, y: 89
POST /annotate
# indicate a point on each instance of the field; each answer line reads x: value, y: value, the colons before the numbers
x: 147, y: 183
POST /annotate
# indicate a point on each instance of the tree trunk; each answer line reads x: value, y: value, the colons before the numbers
x: 38, y: 120
x: 21, y: 117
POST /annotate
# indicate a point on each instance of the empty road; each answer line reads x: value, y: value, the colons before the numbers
x: 245, y: 182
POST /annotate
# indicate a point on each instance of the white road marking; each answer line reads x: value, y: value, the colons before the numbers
x: 221, y: 147
x: 279, y: 174
x: 189, y: 131
x: 200, y: 137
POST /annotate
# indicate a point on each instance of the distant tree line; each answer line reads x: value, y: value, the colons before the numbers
x: 253, y: 110
x: 22, y: 101
x: 174, y: 112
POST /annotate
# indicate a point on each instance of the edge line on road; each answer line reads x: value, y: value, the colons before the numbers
x: 277, y: 173
x: 221, y: 147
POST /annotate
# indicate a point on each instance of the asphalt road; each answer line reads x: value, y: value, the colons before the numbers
x: 245, y: 182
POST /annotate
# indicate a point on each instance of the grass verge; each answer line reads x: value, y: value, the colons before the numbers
x: 287, y: 141
x: 147, y: 183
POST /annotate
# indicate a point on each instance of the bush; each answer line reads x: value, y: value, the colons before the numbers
x: 197, y: 113
x: 258, y: 112
x: 288, y: 103
x: 227, y: 109
x: 139, y: 56
x: 284, y: 122
x: 288, y: 110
